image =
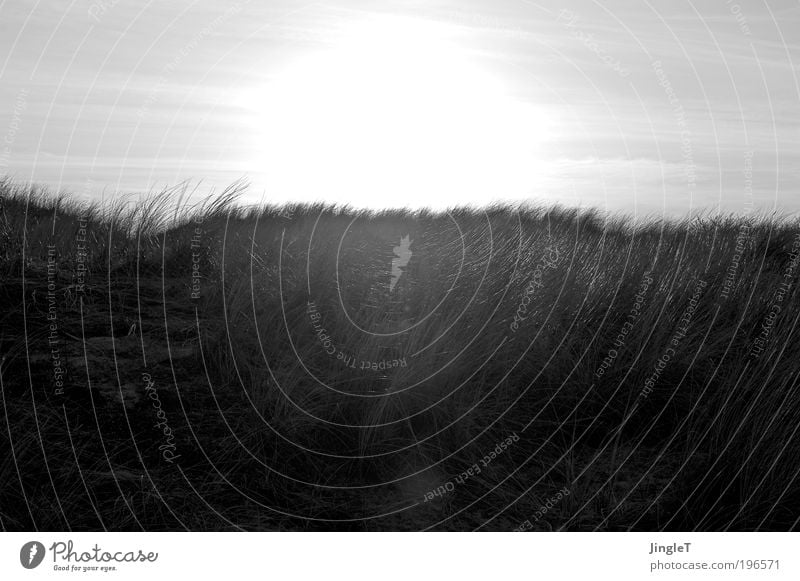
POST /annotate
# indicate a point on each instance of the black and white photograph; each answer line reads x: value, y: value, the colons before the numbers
x: 359, y: 267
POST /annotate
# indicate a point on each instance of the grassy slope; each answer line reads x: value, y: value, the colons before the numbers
x: 270, y: 431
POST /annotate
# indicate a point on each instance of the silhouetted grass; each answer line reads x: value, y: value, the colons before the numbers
x: 269, y: 431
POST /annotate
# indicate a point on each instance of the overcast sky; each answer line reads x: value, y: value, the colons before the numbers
x: 629, y: 106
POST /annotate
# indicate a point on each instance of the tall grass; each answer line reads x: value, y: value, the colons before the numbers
x: 649, y: 367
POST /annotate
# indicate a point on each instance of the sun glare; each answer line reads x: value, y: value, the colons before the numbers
x: 393, y: 114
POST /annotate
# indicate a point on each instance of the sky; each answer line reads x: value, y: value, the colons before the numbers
x: 631, y: 107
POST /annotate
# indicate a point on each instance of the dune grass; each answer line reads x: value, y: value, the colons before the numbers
x: 171, y: 367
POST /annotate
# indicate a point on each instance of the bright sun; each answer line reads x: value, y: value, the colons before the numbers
x: 393, y: 115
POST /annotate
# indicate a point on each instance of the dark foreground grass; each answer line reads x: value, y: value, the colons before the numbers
x: 216, y: 367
